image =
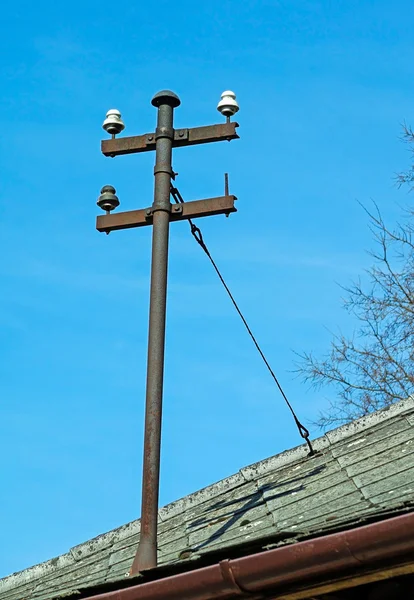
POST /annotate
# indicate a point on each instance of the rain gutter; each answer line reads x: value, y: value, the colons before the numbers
x: 297, y: 565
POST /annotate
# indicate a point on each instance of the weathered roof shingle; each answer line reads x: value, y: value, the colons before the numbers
x: 363, y: 471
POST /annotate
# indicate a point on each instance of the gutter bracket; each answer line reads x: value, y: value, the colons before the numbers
x: 229, y: 578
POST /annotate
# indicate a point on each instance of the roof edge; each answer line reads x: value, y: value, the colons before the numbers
x: 303, y: 565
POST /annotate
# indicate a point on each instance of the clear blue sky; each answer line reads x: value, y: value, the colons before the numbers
x: 323, y: 88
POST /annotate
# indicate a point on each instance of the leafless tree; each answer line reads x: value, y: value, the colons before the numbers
x: 375, y: 367
x: 407, y: 177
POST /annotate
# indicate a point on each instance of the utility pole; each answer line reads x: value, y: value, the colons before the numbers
x: 159, y: 215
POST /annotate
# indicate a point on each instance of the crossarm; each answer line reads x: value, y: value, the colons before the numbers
x: 182, y: 137
x: 222, y: 205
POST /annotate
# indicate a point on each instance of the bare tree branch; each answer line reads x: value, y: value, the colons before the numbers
x: 375, y: 367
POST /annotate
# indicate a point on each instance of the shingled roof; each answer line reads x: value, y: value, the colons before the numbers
x: 362, y: 472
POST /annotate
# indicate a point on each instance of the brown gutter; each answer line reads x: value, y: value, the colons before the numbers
x: 309, y: 561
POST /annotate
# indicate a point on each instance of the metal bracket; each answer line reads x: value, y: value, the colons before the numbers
x: 163, y: 168
x: 175, y: 209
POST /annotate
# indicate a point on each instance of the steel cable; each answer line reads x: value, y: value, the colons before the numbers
x: 198, y: 236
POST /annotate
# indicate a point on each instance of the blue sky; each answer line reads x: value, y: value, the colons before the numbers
x: 323, y: 89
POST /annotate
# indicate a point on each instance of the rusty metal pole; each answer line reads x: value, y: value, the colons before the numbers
x: 146, y: 556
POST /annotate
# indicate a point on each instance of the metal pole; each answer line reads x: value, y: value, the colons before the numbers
x: 146, y: 556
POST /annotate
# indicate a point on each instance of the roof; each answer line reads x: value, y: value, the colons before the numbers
x: 362, y: 472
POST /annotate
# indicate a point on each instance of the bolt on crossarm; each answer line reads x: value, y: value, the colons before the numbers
x: 159, y: 215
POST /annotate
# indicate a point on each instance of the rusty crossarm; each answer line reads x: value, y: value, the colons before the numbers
x: 222, y: 205
x: 182, y: 137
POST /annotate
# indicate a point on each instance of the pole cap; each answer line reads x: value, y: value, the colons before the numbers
x: 166, y: 97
